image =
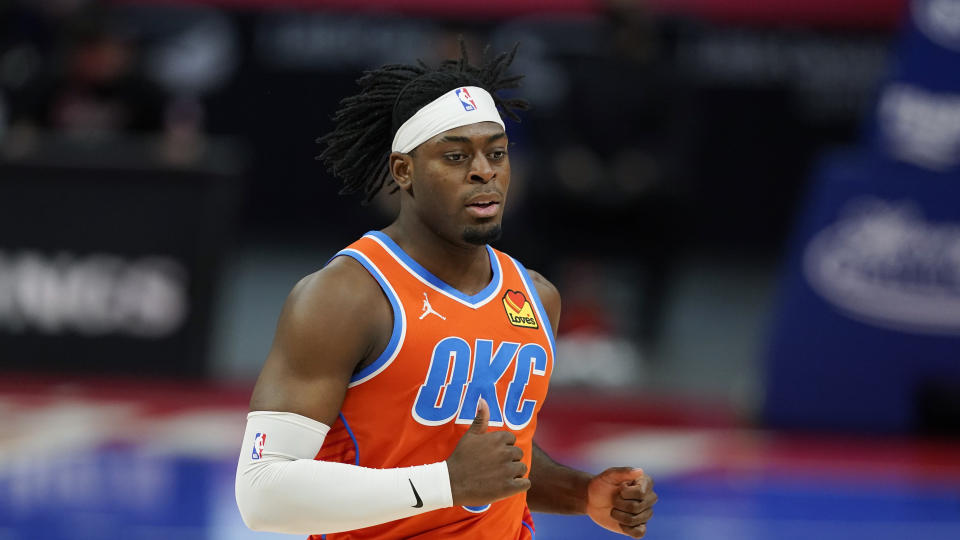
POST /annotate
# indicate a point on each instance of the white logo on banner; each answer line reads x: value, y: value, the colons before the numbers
x: 939, y: 20
x: 93, y: 295
x: 885, y: 264
x: 921, y: 127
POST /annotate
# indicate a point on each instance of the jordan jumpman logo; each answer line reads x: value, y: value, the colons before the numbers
x: 428, y: 309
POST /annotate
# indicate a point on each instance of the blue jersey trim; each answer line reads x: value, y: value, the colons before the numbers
x: 533, y: 535
x: 399, y: 320
x: 356, y: 447
x: 531, y: 287
x: 425, y: 275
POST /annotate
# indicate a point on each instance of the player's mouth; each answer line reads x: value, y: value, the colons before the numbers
x: 483, y: 207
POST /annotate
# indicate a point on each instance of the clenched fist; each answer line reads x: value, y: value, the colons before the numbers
x: 621, y: 499
x: 486, y: 466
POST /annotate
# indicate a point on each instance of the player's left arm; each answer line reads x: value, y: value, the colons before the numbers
x: 619, y: 499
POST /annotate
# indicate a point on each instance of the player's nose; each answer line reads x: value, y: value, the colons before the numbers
x: 482, y: 171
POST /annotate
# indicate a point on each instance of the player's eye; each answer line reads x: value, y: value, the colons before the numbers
x: 455, y: 156
x: 498, y: 154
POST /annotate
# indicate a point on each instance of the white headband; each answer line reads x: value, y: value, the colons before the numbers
x: 458, y: 107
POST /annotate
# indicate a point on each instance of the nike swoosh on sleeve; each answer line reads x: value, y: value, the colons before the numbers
x: 415, y: 494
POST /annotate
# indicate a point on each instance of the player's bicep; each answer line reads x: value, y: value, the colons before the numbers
x: 324, y: 331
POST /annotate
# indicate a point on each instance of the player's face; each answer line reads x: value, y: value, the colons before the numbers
x: 460, y: 181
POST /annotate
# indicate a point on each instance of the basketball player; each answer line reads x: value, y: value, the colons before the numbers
x: 401, y: 394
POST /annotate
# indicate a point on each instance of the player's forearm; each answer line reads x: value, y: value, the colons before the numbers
x: 555, y: 488
x: 280, y: 488
x: 314, y: 497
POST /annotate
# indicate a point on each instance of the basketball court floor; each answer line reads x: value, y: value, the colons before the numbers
x: 128, y: 460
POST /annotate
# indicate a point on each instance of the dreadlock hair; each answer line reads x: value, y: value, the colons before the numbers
x: 356, y: 150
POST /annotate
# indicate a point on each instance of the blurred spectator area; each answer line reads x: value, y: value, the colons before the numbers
x: 655, y: 179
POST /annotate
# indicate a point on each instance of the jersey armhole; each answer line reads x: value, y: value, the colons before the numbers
x: 389, y: 353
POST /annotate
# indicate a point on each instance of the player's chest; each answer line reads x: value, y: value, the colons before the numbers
x: 451, y: 357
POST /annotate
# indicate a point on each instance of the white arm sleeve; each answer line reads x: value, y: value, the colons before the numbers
x: 281, y: 488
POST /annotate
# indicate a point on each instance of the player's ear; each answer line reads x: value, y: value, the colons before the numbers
x: 401, y: 168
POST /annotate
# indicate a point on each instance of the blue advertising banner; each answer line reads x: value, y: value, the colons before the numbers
x: 916, y: 118
x: 869, y: 312
x: 868, y: 331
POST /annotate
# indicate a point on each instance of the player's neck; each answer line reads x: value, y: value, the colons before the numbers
x: 463, y: 267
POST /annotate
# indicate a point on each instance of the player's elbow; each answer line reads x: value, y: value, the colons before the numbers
x: 266, y: 507
x: 256, y: 508
x: 252, y: 510
x: 257, y: 521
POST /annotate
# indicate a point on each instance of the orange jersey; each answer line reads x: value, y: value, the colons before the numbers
x: 448, y: 350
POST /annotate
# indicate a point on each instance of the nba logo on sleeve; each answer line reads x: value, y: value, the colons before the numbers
x: 466, y: 100
x: 258, y: 443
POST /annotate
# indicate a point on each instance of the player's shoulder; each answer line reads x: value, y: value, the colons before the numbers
x: 544, y: 287
x: 343, y: 285
x: 549, y: 296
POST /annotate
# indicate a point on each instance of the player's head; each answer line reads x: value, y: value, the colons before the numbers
x: 437, y: 134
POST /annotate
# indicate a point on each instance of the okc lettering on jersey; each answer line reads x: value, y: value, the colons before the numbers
x: 451, y: 390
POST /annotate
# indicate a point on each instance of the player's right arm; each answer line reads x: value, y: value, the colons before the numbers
x: 334, y: 321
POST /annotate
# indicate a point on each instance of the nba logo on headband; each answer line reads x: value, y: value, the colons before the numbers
x: 442, y: 114
x: 466, y: 100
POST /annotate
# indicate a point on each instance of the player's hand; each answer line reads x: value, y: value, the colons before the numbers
x: 485, y: 466
x: 621, y: 499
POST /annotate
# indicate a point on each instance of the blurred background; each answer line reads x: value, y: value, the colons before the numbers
x: 751, y: 209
